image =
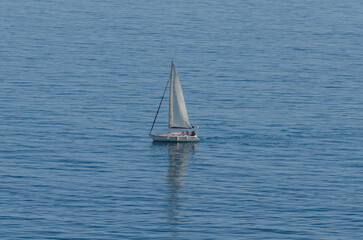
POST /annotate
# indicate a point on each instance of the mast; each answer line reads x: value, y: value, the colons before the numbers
x: 171, y: 96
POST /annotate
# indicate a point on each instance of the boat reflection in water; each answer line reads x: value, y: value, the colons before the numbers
x: 179, y: 157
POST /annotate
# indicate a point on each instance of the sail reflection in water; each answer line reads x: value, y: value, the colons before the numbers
x: 179, y: 157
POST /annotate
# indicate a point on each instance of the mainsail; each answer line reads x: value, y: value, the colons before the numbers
x: 178, y: 115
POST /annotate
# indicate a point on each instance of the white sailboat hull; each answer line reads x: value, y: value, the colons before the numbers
x: 174, y: 137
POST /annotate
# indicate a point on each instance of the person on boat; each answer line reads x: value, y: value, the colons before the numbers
x: 193, y: 133
x: 187, y: 132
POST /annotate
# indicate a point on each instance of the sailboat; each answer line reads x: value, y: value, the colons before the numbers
x: 178, y: 115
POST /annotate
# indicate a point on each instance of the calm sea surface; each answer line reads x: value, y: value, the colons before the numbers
x: 275, y: 86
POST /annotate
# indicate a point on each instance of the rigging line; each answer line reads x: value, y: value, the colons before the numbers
x: 159, y: 106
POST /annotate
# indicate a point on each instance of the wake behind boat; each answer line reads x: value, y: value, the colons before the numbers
x: 178, y: 115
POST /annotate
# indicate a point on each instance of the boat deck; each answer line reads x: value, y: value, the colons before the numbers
x: 175, y: 137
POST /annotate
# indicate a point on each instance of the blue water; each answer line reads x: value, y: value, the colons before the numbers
x: 275, y: 86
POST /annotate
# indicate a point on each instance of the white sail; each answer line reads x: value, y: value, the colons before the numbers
x: 178, y: 115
